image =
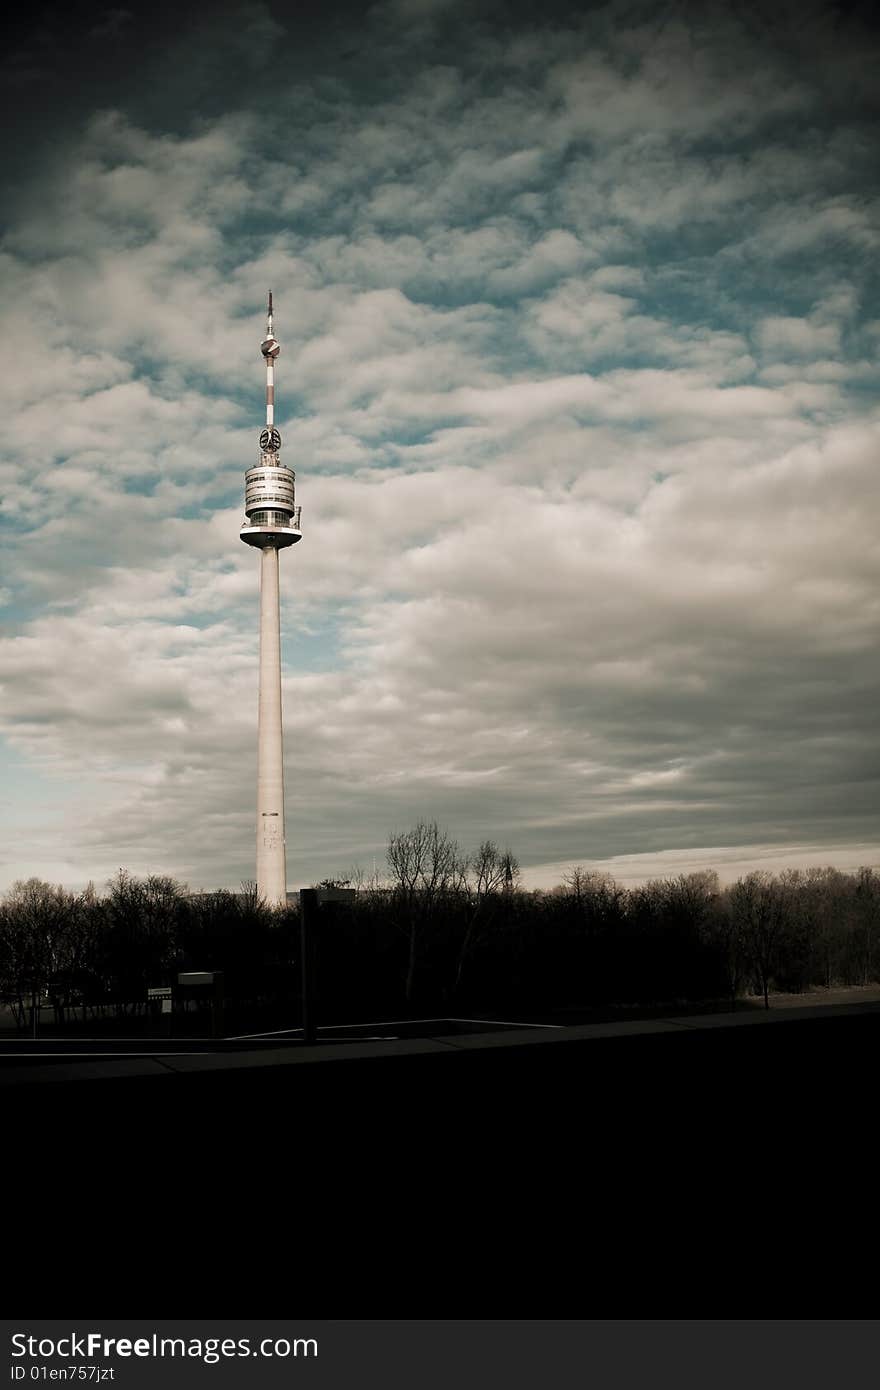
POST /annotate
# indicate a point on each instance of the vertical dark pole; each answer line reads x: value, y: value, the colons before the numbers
x: 217, y: 1005
x: 308, y: 914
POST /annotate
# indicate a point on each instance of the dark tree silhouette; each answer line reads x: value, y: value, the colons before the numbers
x: 761, y: 905
x: 443, y: 924
x: 426, y: 867
x: 491, y: 877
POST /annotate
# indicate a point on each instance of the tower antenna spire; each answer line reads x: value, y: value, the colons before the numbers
x: 270, y: 348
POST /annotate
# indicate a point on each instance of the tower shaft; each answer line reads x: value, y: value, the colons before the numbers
x: 271, y: 858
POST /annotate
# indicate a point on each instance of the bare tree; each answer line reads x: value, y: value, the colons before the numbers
x: 761, y: 907
x: 37, y: 924
x: 690, y: 897
x: 867, y: 921
x: 140, y: 940
x: 594, y: 897
x: 425, y: 866
x: 578, y: 882
x: 491, y: 875
x: 721, y: 928
x: 818, y: 903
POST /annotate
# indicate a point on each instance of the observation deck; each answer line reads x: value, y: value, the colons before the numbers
x: 271, y: 514
x: 272, y: 528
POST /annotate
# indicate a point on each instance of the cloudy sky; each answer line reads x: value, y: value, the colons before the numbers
x: 579, y: 377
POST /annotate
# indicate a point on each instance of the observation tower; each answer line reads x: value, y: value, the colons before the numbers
x: 271, y: 523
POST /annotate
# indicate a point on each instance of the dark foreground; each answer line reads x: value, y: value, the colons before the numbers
x: 693, y: 1169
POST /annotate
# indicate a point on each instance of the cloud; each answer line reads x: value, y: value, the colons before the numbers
x: 582, y: 415
x: 798, y: 337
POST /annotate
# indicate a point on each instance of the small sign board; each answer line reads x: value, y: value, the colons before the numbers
x: 160, y: 992
x: 198, y: 977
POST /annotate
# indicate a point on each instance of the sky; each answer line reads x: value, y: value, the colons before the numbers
x: 579, y: 320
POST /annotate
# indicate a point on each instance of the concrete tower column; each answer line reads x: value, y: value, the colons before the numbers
x: 271, y: 860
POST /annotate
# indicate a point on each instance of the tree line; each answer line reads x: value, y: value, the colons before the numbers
x: 445, y: 928
x: 93, y: 953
